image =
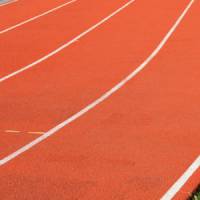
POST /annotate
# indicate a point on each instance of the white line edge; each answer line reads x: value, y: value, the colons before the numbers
x: 36, y: 17
x: 175, y: 188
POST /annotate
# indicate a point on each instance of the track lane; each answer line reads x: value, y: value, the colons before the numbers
x: 23, y: 9
x: 56, y: 99
x: 36, y: 17
x: 40, y: 37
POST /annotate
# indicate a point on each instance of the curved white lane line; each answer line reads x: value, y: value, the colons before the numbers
x: 4, y: 4
x: 36, y: 17
x: 170, y: 194
x: 104, y: 96
x: 66, y: 44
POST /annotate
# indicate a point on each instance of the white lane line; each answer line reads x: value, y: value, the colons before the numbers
x: 36, y: 17
x: 103, y: 97
x: 66, y: 44
x: 170, y: 194
x: 4, y: 4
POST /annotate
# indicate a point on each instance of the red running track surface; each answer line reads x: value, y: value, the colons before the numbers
x: 134, y: 145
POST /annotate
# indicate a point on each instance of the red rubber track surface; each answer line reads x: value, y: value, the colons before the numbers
x: 24, y: 9
x: 134, y: 145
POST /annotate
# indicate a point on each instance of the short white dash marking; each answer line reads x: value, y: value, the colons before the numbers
x: 35, y: 132
x: 12, y: 131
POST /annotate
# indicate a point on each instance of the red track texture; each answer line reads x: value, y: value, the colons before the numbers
x: 135, y: 144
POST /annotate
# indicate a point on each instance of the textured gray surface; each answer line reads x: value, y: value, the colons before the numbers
x: 4, y: 1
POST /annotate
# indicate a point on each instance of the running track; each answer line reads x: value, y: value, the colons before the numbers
x: 135, y: 144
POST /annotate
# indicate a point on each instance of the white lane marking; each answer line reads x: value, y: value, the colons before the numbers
x: 36, y: 17
x: 4, y: 4
x: 170, y: 194
x: 103, y: 97
x: 66, y: 44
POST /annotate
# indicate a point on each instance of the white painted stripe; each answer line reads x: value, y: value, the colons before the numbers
x: 170, y: 194
x: 66, y: 44
x: 103, y: 97
x: 3, y: 4
x: 36, y: 17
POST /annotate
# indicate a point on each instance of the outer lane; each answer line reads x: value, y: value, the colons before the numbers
x: 34, y: 40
